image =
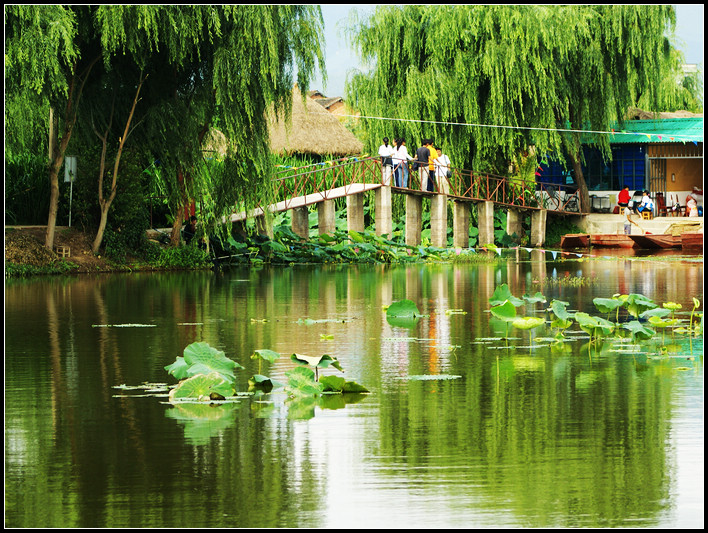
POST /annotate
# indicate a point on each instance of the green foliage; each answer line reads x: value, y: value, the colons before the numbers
x: 206, y: 65
x: 26, y: 189
x: 183, y: 257
x: 514, y: 75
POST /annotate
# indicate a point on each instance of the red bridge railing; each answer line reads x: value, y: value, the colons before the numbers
x: 460, y: 185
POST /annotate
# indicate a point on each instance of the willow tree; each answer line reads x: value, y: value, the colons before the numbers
x: 487, y: 82
x: 204, y: 66
x: 215, y: 66
x: 44, y: 66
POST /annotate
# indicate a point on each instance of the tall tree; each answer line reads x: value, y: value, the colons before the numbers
x: 215, y: 66
x: 489, y: 81
x: 42, y: 56
x: 207, y: 65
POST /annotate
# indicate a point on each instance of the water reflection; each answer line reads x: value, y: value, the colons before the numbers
x: 550, y: 436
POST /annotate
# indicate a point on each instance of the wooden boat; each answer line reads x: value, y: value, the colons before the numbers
x: 650, y: 240
x: 575, y: 240
x: 692, y: 241
x: 612, y: 240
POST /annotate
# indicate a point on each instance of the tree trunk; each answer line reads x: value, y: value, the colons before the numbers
x: 583, y: 193
x: 57, y: 160
x: 106, y: 204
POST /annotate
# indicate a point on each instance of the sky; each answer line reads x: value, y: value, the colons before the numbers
x: 340, y: 58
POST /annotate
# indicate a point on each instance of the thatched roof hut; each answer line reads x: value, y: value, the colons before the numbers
x: 312, y: 130
x: 635, y: 113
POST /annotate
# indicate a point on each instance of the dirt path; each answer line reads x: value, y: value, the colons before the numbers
x: 25, y: 245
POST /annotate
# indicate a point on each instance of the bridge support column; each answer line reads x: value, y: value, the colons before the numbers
x: 485, y: 220
x: 538, y: 227
x: 301, y: 222
x: 326, y: 217
x: 460, y: 224
x: 513, y: 222
x: 355, y: 213
x: 384, y: 211
x: 264, y: 226
x: 438, y: 221
x: 414, y: 219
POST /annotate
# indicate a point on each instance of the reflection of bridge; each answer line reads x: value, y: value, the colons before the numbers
x: 351, y: 178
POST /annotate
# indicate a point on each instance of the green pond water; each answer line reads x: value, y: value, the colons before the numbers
x: 464, y: 426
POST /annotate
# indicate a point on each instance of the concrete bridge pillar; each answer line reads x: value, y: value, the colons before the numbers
x: 538, y: 227
x: 326, y: 217
x: 460, y: 224
x: 485, y: 220
x: 384, y: 211
x: 513, y: 222
x: 355, y: 213
x: 301, y: 222
x: 414, y: 219
x: 264, y: 226
x: 438, y: 221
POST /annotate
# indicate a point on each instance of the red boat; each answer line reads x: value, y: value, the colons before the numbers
x: 656, y: 241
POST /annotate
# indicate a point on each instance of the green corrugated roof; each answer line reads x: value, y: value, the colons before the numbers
x: 666, y: 130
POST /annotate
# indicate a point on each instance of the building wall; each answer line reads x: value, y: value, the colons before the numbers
x: 684, y: 174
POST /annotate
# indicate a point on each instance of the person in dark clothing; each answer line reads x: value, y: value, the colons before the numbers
x: 422, y: 155
x: 190, y: 229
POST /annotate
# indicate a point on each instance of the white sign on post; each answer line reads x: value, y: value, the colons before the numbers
x: 69, y: 177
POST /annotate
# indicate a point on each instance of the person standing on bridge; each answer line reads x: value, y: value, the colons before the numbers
x: 433, y: 162
x: 442, y: 171
x: 422, y: 155
x: 400, y: 163
x: 386, y: 152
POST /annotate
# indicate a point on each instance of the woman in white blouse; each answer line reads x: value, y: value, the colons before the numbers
x: 386, y: 152
x: 400, y: 163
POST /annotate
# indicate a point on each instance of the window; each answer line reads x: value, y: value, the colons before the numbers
x: 628, y: 167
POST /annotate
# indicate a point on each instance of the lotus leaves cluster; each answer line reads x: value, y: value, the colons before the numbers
x: 632, y: 315
x: 206, y: 374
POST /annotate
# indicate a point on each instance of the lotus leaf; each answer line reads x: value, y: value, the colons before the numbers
x: 607, y: 305
x: 658, y: 312
x: 267, y: 355
x: 638, y: 330
x: 262, y: 383
x: 535, y: 298
x: 402, y: 308
x: 317, y: 361
x: 201, y: 386
x: 594, y: 325
x: 659, y: 322
x: 638, y: 303
x: 341, y: 385
x: 559, y: 309
x: 673, y: 306
x: 301, y: 381
x: 527, y: 322
x: 505, y: 311
x: 502, y: 294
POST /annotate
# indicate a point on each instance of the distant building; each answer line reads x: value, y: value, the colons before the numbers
x: 662, y: 154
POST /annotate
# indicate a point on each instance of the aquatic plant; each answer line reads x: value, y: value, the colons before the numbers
x: 306, y: 381
x: 206, y: 374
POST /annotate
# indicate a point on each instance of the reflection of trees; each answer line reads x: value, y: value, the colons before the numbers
x: 546, y: 441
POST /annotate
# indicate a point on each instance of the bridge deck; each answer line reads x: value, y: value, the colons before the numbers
x: 308, y: 199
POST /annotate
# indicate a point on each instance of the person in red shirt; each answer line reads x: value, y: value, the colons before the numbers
x: 623, y: 198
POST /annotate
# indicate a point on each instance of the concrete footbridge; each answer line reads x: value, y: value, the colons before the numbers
x: 297, y: 189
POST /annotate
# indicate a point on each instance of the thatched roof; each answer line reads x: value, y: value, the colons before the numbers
x: 313, y: 130
x: 635, y: 113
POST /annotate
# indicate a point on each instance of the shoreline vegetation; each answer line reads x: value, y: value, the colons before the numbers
x: 26, y: 256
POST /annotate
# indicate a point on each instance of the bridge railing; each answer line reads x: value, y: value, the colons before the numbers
x: 322, y: 177
x: 461, y: 184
